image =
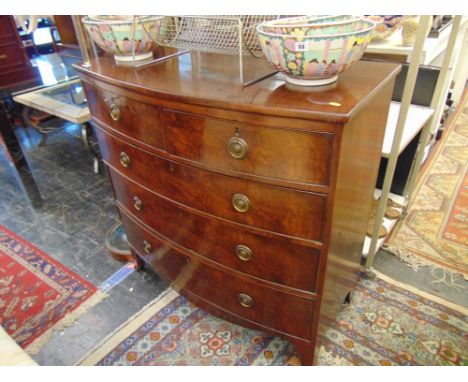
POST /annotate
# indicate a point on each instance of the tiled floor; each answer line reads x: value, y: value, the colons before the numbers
x: 71, y: 225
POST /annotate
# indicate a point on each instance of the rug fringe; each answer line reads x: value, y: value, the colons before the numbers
x: 415, y: 262
x: 106, y: 345
x: 67, y: 321
x: 446, y: 276
x: 451, y: 305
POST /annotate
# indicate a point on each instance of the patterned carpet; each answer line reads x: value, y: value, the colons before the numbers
x: 37, y: 294
x: 386, y: 324
x: 435, y: 232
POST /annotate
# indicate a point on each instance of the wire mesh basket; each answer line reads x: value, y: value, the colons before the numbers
x: 234, y: 34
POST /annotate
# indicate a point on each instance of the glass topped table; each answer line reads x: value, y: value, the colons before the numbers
x: 56, y: 91
x: 65, y: 100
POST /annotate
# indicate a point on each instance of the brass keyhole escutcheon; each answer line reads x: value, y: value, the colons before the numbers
x: 240, y: 202
x: 124, y: 159
x: 245, y: 300
x: 137, y: 203
x: 147, y: 247
x: 237, y: 147
x: 243, y: 252
x: 114, y: 112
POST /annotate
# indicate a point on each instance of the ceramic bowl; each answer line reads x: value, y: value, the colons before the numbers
x: 315, y: 59
x: 316, y: 27
x: 116, y: 36
x: 285, y: 25
x: 385, y: 26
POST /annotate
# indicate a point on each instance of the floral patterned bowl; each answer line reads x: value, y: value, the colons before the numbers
x: 116, y: 36
x: 309, y: 25
x: 386, y: 26
x: 314, y: 59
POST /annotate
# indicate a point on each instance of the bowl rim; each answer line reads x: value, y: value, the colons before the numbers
x: 338, y: 35
x: 93, y: 21
x: 312, y: 22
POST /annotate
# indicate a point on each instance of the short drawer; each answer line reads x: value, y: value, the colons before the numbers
x: 273, y: 259
x: 269, y: 307
x: 132, y: 118
x: 276, y: 209
x: 245, y: 148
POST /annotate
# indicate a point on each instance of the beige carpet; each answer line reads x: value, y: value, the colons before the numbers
x: 435, y: 231
x: 11, y: 353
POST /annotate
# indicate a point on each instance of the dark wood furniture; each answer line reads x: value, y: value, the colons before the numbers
x: 13, y: 152
x: 252, y: 201
x: 68, y: 45
x: 15, y: 66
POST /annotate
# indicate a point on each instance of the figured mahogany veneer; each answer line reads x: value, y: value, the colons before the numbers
x: 270, y: 152
x: 276, y: 209
x: 252, y: 201
x: 271, y: 258
x: 133, y: 118
x: 282, y: 312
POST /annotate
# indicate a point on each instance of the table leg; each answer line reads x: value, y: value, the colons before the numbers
x: 17, y: 161
x: 85, y: 129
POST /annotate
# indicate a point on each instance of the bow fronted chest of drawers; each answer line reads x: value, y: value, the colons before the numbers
x: 252, y: 201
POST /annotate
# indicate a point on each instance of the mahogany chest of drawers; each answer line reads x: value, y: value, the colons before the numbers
x: 15, y: 66
x: 253, y: 202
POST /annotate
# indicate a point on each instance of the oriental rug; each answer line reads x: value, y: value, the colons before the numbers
x: 435, y: 231
x: 38, y: 294
x: 385, y: 324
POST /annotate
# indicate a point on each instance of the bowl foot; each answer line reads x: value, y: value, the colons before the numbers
x: 308, y: 82
x: 138, y: 57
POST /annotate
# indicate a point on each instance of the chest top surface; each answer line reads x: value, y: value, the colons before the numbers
x: 213, y: 80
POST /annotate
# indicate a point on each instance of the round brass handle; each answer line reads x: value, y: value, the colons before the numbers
x: 243, y: 252
x: 147, y: 247
x: 137, y: 203
x: 124, y: 159
x: 114, y: 112
x: 240, y: 202
x: 245, y: 300
x: 237, y: 147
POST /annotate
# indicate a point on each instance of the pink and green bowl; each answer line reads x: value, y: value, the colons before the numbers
x: 118, y: 36
x: 316, y: 58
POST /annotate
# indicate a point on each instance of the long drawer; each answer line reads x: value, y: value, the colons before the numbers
x: 276, y: 209
x: 272, y: 259
x: 130, y: 117
x: 243, y: 297
x: 245, y: 148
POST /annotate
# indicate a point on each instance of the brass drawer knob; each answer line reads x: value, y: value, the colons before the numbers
x: 240, y: 202
x: 147, y: 247
x: 124, y: 159
x: 114, y: 112
x: 237, y: 147
x: 245, y: 300
x: 243, y: 252
x: 137, y: 203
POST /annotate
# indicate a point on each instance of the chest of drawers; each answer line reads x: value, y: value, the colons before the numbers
x: 15, y: 67
x: 253, y: 202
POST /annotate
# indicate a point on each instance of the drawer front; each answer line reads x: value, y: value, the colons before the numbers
x: 276, y: 209
x: 6, y: 28
x: 272, y: 308
x: 264, y: 151
x: 132, y: 118
x: 11, y: 55
x: 270, y: 259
